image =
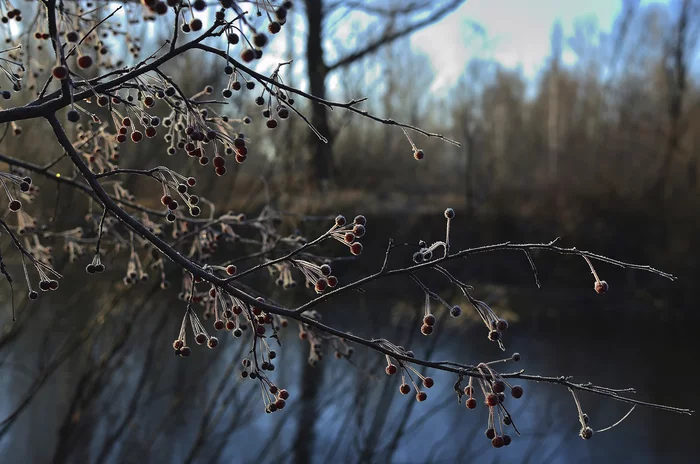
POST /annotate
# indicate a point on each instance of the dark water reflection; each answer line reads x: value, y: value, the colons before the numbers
x: 359, y: 413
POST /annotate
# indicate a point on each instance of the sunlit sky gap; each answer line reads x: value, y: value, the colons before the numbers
x: 516, y: 35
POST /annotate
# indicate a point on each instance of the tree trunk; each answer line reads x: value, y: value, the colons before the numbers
x: 320, y: 169
x: 311, y: 380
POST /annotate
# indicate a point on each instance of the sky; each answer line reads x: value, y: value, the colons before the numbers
x: 517, y: 32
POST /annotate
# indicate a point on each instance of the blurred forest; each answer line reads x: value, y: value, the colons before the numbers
x: 603, y: 152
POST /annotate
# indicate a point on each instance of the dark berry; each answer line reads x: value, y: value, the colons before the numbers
x: 517, y: 391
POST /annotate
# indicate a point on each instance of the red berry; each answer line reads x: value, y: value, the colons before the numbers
x: 390, y: 369
x: 200, y: 339
x: 491, y: 399
x: 601, y: 286
x: 498, y: 386
x: 60, y: 72
x: 418, y: 154
x: 356, y: 248
x: 471, y: 403
x: 428, y: 382
x: 421, y: 396
x: 136, y: 136
x: 321, y: 285
x: 284, y: 394
x: 497, y: 442
x: 332, y: 281
x: 358, y: 230
x: 405, y: 389
x: 274, y: 27
x: 248, y: 55
x: 230, y: 269
x: 85, y: 61
x: 429, y: 319
x: 426, y: 329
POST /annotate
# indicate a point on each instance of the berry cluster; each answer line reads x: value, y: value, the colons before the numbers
x: 348, y: 234
x: 274, y: 398
x: 229, y: 312
x: 23, y: 183
x: 11, y: 67
x: 429, y: 320
x: 493, y: 387
x: 9, y: 12
x: 494, y: 324
x: 406, y: 370
x: 200, y: 335
x: 317, y: 277
x: 278, y: 98
x: 171, y: 182
x: 40, y: 257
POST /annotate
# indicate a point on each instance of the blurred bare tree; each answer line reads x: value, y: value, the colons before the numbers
x: 390, y: 20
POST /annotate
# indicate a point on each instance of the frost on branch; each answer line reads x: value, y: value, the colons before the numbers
x: 103, y: 106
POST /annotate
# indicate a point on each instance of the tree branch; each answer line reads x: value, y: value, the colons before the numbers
x: 389, y: 36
